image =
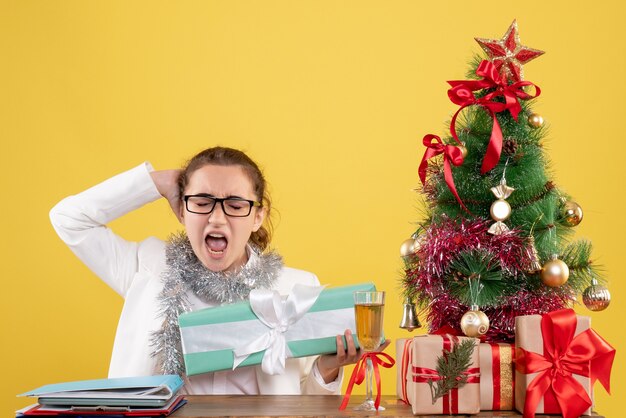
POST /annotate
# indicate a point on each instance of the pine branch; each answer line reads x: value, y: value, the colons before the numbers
x: 577, y: 257
x: 451, y: 367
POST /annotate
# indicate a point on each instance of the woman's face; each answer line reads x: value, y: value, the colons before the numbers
x: 219, y: 241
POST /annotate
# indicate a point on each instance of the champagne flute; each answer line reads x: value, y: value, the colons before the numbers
x: 368, y: 312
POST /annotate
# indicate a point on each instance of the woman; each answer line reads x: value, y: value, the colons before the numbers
x: 220, y: 197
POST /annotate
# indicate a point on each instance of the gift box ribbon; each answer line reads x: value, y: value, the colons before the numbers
x: 500, y: 375
x: 425, y: 375
x: 406, y: 363
x: 278, y: 315
x: 587, y: 354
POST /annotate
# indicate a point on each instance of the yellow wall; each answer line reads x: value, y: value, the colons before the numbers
x: 332, y: 97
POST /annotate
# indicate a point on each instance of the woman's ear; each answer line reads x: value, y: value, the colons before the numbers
x: 259, y: 217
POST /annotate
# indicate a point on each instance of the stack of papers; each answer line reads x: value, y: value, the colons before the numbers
x: 151, y: 396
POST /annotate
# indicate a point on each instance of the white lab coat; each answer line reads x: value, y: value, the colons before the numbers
x: 133, y: 270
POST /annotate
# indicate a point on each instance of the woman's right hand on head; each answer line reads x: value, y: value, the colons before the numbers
x: 166, y: 182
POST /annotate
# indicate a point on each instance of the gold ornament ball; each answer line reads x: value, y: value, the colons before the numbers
x: 596, y: 297
x: 463, y: 150
x: 571, y: 213
x: 554, y: 273
x: 474, y: 323
x: 407, y: 248
x: 535, y: 120
x: 500, y: 210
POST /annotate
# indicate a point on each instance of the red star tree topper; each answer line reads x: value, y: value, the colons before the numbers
x: 508, y: 54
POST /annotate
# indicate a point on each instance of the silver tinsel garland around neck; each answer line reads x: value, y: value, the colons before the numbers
x: 185, y: 273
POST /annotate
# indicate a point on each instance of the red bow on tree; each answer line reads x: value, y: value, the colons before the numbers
x: 587, y: 354
x: 451, y: 154
x: 462, y: 93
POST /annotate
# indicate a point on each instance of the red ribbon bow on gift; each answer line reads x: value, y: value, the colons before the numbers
x: 358, y: 374
x: 451, y: 154
x: 587, y: 354
x: 462, y: 93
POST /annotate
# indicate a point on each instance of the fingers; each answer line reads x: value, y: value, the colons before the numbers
x: 347, y: 352
x: 341, y: 351
x: 352, y: 351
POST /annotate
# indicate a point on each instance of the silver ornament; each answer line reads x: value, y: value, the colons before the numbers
x: 596, y: 297
x: 409, y: 319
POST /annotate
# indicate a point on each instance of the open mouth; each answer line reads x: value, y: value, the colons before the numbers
x: 216, y: 243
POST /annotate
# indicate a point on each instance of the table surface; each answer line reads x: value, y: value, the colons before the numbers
x: 300, y: 406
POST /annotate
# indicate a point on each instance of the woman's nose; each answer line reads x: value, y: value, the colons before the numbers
x: 217, y: 215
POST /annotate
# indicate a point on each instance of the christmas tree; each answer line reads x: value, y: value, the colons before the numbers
x: 496, y: 241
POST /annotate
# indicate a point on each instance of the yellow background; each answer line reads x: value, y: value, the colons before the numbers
x: 331, y: 97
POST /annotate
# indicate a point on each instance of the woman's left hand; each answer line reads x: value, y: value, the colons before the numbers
x: 329, y: 364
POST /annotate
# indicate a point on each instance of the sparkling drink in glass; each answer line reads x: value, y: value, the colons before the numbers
x: 368, y: 312
x: 369, y: 325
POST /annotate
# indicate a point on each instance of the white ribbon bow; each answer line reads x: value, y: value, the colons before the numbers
x: 278, y: 315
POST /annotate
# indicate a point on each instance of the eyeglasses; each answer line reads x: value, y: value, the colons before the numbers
x: 204, y: 204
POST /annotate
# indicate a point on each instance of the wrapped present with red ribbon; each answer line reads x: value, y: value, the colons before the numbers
x: 558, y: 359
x: 403, y: 357
x: 436, y: 391
x: 497, y: 376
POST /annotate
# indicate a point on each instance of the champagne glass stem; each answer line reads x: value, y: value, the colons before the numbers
x: 368, y: 381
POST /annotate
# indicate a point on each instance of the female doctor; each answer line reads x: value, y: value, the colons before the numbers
x: 220, y: 197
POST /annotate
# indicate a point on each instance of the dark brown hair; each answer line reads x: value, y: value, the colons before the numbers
x: 229, y: 156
